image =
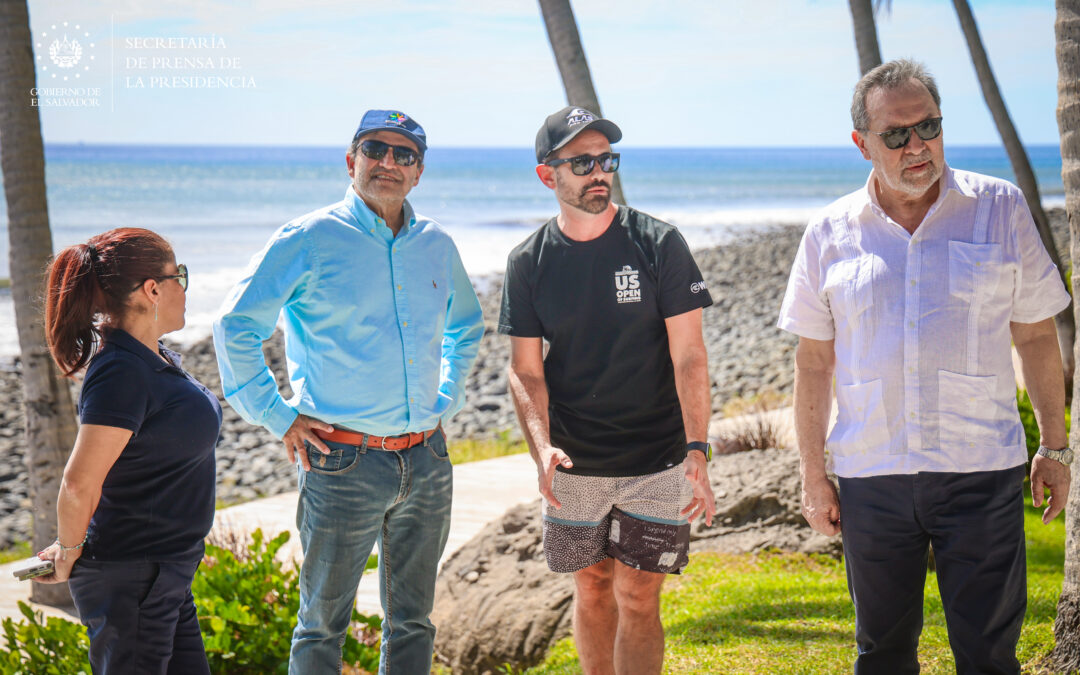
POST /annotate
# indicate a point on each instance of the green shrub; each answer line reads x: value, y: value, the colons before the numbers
x: 39, y: 646
x: 247, y: 604
x: 1027, y: 418
x: 247, y: 610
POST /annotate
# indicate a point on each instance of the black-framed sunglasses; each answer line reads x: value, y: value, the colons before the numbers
x: 927, y: 130
x: 583, y: 165
x: 376, y: 150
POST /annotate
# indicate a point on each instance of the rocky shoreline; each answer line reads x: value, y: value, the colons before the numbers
x: 748, y: 355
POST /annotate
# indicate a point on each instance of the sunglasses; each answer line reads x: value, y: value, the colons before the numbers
x: 376, y: 150
x: 898, y: 138
x: 583, y: 165
x: 181, y: 276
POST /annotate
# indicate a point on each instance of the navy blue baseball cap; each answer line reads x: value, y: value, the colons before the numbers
x: 561, y: 127
x: 392, y: 120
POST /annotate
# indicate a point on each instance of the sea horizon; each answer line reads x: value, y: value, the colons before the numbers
x: 218, y: 204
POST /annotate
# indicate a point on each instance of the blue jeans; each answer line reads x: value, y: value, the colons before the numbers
x: 352, y: 499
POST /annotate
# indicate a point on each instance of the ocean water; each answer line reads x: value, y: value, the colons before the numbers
x: 218, y: 205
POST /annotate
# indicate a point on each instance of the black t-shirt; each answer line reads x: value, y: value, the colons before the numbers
x: 601, y: 304
x: 157, y: 502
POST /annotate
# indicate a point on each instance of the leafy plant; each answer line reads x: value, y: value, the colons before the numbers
x: 247, y: 610
x: 40, y: 646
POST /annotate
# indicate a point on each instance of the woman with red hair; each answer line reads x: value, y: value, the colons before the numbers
x: 137, y: 498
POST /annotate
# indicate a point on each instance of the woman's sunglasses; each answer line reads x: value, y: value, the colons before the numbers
x: 583, y: 165
x: 927, y: 130
x: 376, y: 150
x: 181, y: 277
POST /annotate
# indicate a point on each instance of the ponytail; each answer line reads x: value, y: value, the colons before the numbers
x: 89, y: 286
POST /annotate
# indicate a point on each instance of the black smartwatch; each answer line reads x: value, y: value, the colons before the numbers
x: 703, y: 447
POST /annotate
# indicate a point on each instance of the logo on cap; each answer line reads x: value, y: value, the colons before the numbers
x: 579, y: 116
x: 396, y: 118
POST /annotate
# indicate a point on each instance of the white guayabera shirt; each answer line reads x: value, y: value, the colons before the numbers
x: 924, y: 376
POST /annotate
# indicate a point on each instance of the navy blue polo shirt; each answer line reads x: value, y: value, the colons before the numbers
x: 157, y: 502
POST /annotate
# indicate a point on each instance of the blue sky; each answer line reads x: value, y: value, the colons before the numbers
x: 481, y: 72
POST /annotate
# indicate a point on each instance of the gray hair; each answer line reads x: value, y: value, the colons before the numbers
x: 891, y: 75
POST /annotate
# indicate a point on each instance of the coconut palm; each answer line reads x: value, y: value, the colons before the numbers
x: 866, y: 40
x: 1066, y: 654
x: 50, y: 416
x: 570, y: 56
x: 1025, y: 177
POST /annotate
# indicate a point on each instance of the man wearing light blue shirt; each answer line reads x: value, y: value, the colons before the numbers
x: 381, y: 329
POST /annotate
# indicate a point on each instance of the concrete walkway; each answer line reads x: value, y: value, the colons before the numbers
x: 483, y: 491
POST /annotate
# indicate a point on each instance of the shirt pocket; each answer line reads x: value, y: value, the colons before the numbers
x: 967, y: 413
x: 974, y: 270
x: 849, y: 286
x: 861, y: 424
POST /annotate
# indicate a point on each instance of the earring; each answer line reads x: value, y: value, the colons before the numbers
x: 155, y: 312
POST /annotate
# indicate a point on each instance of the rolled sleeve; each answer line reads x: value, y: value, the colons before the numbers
x: 805, y: 310
x: 1038, y: 293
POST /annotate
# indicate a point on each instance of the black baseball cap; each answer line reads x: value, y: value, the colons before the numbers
x: 560, y: 128
x: 392, y: 120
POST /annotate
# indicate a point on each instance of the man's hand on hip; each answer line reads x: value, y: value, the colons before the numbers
x: 547, y: 458
x: 303, y: 429
x: 821, y: 505
x: 1049, y: 474
x: 697, y: 474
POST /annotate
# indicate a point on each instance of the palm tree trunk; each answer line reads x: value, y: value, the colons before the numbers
x: 50, y: 416
x: 866, y: 40
x: 570, y: 56
x: 1066, y: 654
x: 1025, y: 177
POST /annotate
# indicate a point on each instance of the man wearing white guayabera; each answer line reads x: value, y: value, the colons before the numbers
x: 909, y: 292
x: 381, y: 329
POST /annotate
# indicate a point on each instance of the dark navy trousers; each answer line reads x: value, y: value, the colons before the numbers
x: 140, y: 617
x: 975, y: 522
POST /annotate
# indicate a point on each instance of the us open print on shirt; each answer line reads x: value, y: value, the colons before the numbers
x: 627, y: 285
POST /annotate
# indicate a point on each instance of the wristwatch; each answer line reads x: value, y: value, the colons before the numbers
x: 707, y: 449
x: 1065, y: 455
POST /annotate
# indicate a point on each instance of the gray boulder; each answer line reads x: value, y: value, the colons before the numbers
x: 495, y: 600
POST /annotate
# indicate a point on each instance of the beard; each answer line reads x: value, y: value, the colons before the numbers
x: 918, y: 185
x: 583, y: 200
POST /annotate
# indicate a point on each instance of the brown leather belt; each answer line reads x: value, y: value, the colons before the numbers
x: 401, y: 442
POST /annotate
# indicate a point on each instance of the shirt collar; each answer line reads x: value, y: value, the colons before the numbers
x: 122, y: 339
x: 947, y: 181
x: 367, y: 218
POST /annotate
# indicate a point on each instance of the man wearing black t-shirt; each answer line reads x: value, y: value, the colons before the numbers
x: 616, y: 414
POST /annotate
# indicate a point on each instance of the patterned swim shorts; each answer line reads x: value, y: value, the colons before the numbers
x: 634, y: 519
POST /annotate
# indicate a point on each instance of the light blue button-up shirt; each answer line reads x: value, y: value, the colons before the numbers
x: 380, y: 332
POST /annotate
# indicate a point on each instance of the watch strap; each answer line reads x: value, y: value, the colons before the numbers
x: 1063, y: 455
x: 703, y: 447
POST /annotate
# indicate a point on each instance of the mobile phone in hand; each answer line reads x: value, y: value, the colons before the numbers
x: 32, y: 567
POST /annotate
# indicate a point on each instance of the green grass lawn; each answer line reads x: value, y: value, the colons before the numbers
x: 790, y: 613
x: 470, y: 450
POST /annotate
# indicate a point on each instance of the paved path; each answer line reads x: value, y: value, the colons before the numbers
x: 483, y: 491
